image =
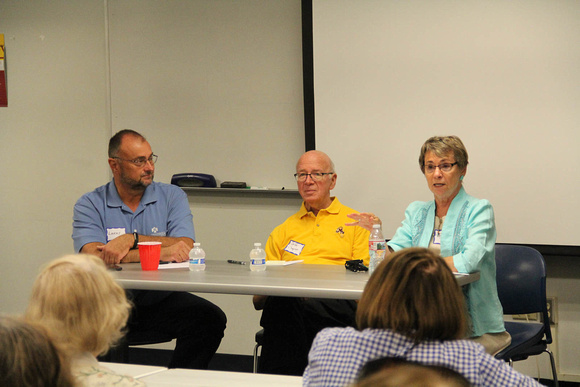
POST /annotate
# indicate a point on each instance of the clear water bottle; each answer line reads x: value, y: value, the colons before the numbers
x: 197, y: 258
x: 377, y: 246
x: 257, y: 258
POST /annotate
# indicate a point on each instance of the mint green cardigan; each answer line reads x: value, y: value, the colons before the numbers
x: 469, y: 236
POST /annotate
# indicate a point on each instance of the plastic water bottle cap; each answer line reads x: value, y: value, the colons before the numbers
x: 196, y: 244
x: 257, y: 244
x: 376, y: 225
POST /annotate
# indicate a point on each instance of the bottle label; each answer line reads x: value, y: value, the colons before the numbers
x: 378, y: 248
x: 258, y: 261
x: 377, y: 245
x: 377, y: 251
x: 197, y: 261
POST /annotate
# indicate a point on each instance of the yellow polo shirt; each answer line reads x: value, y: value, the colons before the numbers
x: 320, y: 239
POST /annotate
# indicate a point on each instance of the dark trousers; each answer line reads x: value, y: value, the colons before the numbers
x: 290, y: 325
x: 197, y: 324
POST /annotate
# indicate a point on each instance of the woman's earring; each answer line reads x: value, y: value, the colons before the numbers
x: 461, y: 177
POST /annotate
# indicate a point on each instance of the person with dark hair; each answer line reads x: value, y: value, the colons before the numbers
x: 411, y: 308
x: 29, y: 357
x: 110, y: 221
x: 462, y: 229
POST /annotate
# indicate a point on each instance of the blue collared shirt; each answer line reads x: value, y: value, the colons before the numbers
x: 101, y: 215
x: 338, y: 354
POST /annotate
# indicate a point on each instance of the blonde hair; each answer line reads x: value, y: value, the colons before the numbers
x: 442, y: 146
x: 413, y: 292
x: 28, y: 357
x: 80, y: 304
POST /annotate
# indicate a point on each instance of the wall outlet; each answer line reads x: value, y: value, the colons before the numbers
x: 552, y: 310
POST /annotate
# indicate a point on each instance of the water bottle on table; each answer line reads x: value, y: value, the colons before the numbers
x: 197, y: 258
x: 257, y: 258
x: 377, y: 247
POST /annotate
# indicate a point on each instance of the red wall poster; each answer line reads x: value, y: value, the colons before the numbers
x: 3, y: 94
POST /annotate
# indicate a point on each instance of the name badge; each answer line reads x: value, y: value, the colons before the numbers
x: 294, y: 247
x: 437, y: 237
x: 112, y: 233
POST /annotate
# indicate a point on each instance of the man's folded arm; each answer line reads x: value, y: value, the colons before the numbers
x: 120, y: 249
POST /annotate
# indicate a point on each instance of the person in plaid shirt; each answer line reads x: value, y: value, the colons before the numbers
x: 412, y: 308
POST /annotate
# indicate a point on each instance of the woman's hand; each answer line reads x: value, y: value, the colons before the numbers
x: 364, y: 220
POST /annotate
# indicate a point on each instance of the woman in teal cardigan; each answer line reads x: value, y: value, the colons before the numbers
x: 462, y: 228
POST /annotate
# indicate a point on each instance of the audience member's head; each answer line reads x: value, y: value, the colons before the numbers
x: 413, y: 292
x: 28, y: 357
x: 80, y: 303
x: 395, y: 372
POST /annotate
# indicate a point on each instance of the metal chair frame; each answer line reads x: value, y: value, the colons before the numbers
x: 259, y: 338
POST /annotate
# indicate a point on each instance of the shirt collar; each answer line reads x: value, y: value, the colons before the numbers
x: 150, y: 195
x: 114, y: 200
x: 458, y: 200
x: 333, y: 209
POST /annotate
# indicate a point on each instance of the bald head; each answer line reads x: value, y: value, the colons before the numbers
x: 315, y: 191
x: 318, y: 157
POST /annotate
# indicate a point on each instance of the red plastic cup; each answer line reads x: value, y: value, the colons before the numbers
x: 149, y: 255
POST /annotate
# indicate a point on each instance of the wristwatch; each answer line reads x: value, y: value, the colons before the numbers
x: 136, y: 240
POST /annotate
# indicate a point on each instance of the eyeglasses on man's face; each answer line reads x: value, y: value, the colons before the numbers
x: 140, y: 161
x: 445, y: 167
x: 315, y: 176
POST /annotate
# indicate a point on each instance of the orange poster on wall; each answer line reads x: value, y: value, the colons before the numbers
x: 3, y: 94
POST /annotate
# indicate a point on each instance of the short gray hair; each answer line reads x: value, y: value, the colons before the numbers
x: 441, y: 146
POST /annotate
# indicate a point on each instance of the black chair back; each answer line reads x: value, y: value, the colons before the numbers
x: 521, y: 282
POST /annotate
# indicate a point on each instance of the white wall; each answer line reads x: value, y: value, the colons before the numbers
x: 52, y: 134
x: 53, y: 140
x: 502, y: 75
x: 215, y: 85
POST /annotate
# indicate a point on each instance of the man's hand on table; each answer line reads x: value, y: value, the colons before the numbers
x: 178, y: 252
x: 114, y: 251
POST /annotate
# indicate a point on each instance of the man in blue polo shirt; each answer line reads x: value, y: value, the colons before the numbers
x: 109, y: 222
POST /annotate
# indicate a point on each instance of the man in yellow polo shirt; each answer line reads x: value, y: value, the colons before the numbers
x: 317, y: 234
